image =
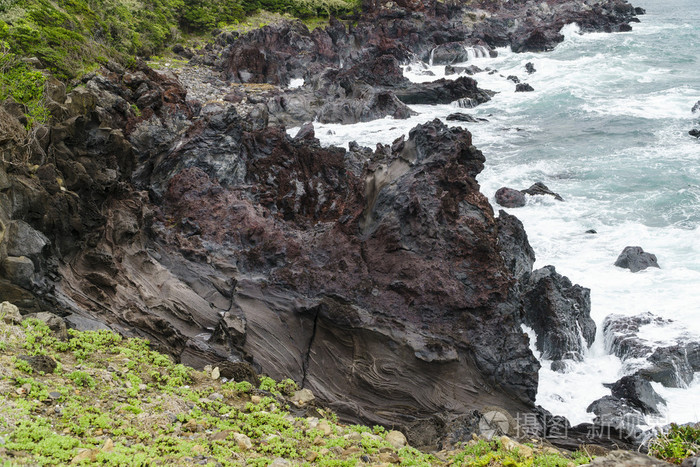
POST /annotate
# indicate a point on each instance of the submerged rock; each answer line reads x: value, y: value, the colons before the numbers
x: 462, y: 117
x: 539, y: 188
x: 636, y: 259
x: 672, y: 366
x: 523, y: 87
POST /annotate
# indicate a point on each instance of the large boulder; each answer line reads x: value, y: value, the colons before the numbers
x: 559, y: 312
x: 23, y: 240
x: 449, y: 53
x: 617, y: 415
x: 636, y: 259
x: 510, y: 197
x: 637, y: 392
x: 443, y: 91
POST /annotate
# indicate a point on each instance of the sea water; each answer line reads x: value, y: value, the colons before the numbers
x: 607, y: 129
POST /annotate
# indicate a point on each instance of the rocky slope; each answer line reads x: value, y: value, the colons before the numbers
x: 380, y: 279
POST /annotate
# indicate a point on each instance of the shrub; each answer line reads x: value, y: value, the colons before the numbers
x: 680, y: 442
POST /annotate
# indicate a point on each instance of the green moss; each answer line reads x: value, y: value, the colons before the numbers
x: 152, y: 411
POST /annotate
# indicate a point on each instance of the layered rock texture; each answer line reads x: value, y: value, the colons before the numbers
x: 378, y: 278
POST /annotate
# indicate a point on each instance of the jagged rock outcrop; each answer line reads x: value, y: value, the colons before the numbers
x: 638, y: 392
x: 523, y: 87
x: 515, y: 248
x: 438, y: 32
x: 529, y: 28
x: 560, y: 314
x: 219, y: 241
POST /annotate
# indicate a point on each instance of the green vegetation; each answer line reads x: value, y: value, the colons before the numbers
x: 115, y: 401
x: 72, y: 37
x: 680, y: 442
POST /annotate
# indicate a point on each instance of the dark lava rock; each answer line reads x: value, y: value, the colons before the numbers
x: 530, y: 68
x: 40, y: 363
x: 638, y: 392
x: 539, y: 40
x: 443, y: 91
x: 672, y: 366
x: 669, y: 366
x: 617, y: 415
x: 636, y: 259
x: 515, y: 248
x: 539, y: 188
x: 523, y: 87
x: 462, y: 117
x: 510, y: 198
x: 238, y: 371
x: 591, y: 231
x: 470, y: 70
x: 695, y: 132
x: 559, y: 312
x: 696, y: 107
x: 377, y: 285
x: 82, y: 323
x: 514, y: 79
x: 621, y: 334
x: 449, y: 53
x: 639, y: 11
x: 182, y: 51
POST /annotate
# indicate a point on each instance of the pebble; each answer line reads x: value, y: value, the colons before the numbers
x: 302, y: 397
x: 324, y: 427
x: 396, y: 439
x: 242, y: 441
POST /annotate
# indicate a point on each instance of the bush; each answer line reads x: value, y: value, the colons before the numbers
x: 680, y: 442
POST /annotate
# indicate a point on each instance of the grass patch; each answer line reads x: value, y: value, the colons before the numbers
x: 115, y: 401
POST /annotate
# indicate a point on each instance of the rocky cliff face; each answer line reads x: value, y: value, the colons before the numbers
x: 378, y: 278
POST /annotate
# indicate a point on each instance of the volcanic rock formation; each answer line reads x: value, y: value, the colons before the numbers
x: 380, y: 279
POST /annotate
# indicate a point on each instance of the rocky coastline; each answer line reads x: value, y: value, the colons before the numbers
x: 175, y: 207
